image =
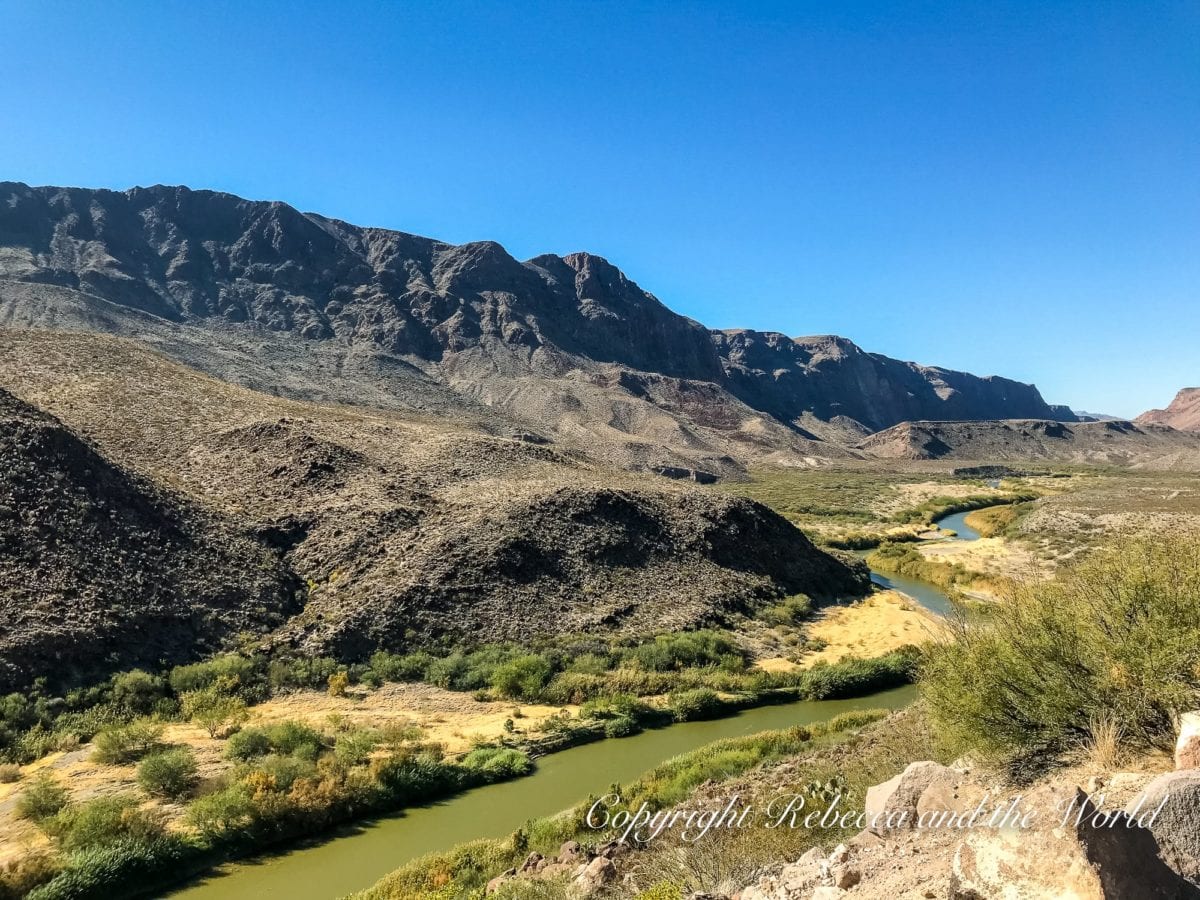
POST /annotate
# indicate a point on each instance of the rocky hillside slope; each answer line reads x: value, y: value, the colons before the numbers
x: 305, y: 306
x: 1183, y: 413
x: 403, y: 528
x: 100, y: 568
x: 1108, y: 443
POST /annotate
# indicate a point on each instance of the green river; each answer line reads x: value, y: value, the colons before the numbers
x: 355, y: 857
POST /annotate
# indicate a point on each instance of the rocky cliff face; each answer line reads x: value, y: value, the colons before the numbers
x: 567, y: 342
x: 1183, y: 413
x: 829, y: 376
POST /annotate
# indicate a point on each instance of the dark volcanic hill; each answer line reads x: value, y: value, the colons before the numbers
x: 154, y: 513
x: 1183, y: 413
x: 304, y: 306
x: 99, y: 568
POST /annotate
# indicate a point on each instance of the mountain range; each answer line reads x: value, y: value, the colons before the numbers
x: 566, y: 347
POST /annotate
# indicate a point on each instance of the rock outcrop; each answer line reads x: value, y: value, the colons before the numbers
x: 1183, y: 413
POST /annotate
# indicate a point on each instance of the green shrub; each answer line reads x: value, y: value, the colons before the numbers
x: 214, y: 711
x: 248, y: 744
x: 223, y: 813
x: 617, y: 706
x: 228, y: 674
x: 354, y: 748
x: 283, y: 771
x: 522, y: 678
x: 105, y: 820
x: 668, y: 652
x: 170, y: 773
x: 856, y: 677
x: 302, y: 672
x: 791, y: 611
x: 42, y: 798
x: 394, y: 667
x: 498, y: 762
x: 138, y: 691
x: 699, y: 703
x: 102, y: 872
x: 122, y: 744
x: 296, y: 739
x: 621, y: 726
x: 1117, y: 638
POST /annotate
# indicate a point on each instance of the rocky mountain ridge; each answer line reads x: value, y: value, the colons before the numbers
x: 568, y: 343
x: 1183, y: 413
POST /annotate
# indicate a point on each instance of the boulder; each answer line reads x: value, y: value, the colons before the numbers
x: 1187, y: 746
x: 804, y: 873
x: 892, y: 806
x: 531, y: 863
x: 1063, y: 855
x: 1176, y: 826
x: 495, y: 884
x: 595, y: 875
x: 570, y: 852
x: 948, y: 797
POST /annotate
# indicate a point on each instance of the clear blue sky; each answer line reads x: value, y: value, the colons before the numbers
x: 996, y: 186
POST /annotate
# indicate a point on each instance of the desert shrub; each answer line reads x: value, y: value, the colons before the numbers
x: 230, y: 673
x: 247, y: 744
x: 138, y: 691
x: 855, y: 677
x: 621, y: 726
x: 214, y: 711
x: 105, y: 820
x: 222, y: 813
x: 661, y: 890
x: 498, y: 762
x: 1117, y: 637
x: 42, y: 798
x: 354, y: 748
x: 103, y: 871
x: 617, y: 706
x: 338, y: 683
x: 790, y: 612
x: 591, y: 663
x: 394, y: 667
x: 283, y: 771
x: 296, y: 739
x: 522, y: 678
x: 123, y: 744
x: 692, y: 648
x: 302, y: 671
x: 9, y: 772
x: 415, y: 774
x: 21, y: 876
x: 900, y: 559
x: 170, y: 773
x: 698, y: 703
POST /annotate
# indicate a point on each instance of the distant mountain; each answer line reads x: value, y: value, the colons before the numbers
x: 1183, y: 413
x: 302, y: 305
x: 1084, y: 416
x: 1109, y: 443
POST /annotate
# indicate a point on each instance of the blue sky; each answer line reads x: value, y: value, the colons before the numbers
x: 1001, y: 187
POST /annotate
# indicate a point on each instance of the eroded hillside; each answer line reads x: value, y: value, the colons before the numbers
x: 403, y: 529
